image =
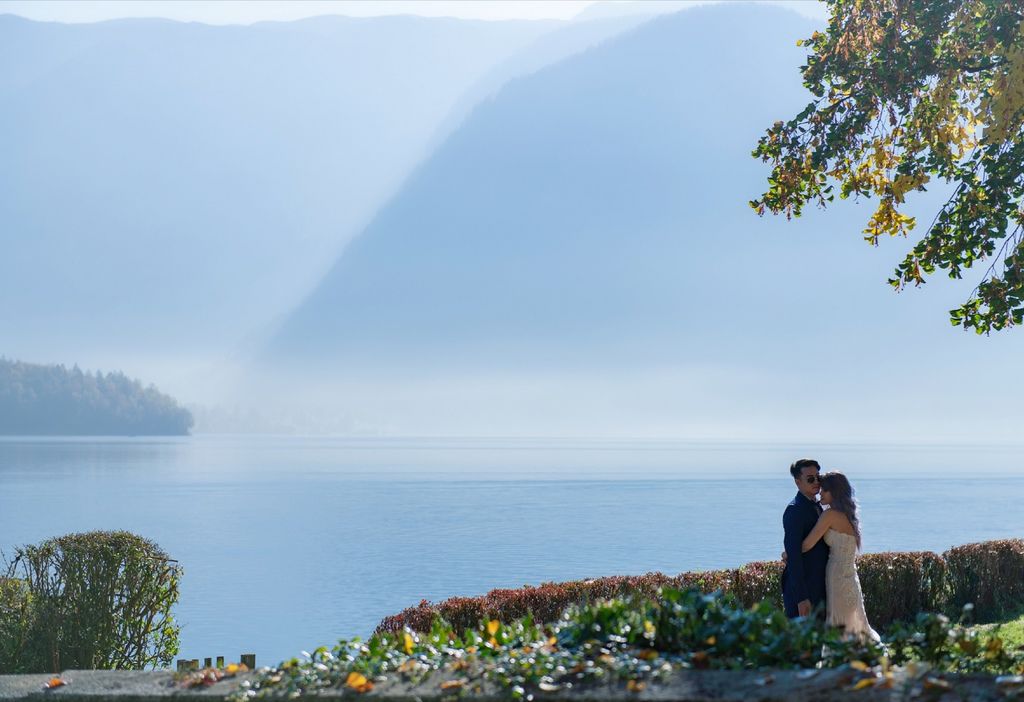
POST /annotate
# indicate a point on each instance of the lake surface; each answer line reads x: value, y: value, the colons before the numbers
x: 292, y: 543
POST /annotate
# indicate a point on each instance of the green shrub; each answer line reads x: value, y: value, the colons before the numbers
x: 15, y: 622
x: 897, y: 586
x: 97, y: 600
x: 706, y: 631
x: 989, y: 575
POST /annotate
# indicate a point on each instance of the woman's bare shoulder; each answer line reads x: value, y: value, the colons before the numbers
x: 840, y: 522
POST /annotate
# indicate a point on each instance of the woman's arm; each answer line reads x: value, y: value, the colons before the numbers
x: 824, y: 522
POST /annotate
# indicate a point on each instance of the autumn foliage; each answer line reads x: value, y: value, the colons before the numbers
x: 909, y: 95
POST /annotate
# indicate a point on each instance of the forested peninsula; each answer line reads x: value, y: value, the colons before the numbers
x: 54, y: 400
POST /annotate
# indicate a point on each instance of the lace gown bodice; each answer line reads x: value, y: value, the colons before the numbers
x: 844, y: 601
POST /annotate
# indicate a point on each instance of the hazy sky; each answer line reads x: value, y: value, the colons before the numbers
x: 241, y: 12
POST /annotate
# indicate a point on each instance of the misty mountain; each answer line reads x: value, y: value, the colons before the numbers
x: 590, y: 204
x: 549, y: 48
x: 590, y: 222
x: 170, y: 187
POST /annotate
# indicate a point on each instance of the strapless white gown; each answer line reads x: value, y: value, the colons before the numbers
x: 844, y: 601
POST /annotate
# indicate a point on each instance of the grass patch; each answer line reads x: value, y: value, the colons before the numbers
x: 1011, y: 631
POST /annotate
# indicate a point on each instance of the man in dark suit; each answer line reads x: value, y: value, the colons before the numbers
x: 803, y: 578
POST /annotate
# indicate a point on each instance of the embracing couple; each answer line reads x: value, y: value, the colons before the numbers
x: 822, y: 540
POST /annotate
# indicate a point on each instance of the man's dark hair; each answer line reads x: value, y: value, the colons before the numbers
x: 798, y: 466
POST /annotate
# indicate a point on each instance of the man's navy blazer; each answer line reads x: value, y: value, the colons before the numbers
x: 804, y: 575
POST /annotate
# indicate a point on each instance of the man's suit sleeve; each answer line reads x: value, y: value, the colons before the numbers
x: 792, y: 523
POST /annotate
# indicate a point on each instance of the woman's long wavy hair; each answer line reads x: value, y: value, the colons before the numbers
x: 842, y: 498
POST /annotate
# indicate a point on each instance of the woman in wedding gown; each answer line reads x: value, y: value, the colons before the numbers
x: 840, y: 527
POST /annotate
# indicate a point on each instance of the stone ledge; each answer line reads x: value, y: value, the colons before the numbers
x: 683, y: 686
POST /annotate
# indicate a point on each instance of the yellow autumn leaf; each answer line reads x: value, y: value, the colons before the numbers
x: 452, y: 684
x: 866, y: 682
x: 492, y: 627
x: 409, y: 643
x: 356, y: 680
x: 635, y: 686
x: 232, y: 668
x: 859, y: 665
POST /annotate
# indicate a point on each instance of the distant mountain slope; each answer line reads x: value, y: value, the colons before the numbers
x: 581, y: 206
x: 54, y: 400
x: 549, y: 48
x: 168, y: 187
x: 580, y: 257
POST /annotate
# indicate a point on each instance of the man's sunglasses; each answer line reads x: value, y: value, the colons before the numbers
x: 812, y: 479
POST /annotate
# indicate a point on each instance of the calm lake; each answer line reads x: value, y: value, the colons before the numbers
x: 291, y: 543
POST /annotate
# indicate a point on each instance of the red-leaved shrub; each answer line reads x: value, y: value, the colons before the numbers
x: 990, y: 575
x: 759, y: 581
x: 897, y: 586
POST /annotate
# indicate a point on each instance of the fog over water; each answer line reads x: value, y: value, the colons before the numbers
x: 427, y: 226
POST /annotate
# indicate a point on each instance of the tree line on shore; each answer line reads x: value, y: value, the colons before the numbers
x: 56, y: 400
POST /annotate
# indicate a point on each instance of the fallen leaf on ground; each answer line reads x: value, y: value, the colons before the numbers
x: 931, y: 683
x: 53, y: 683
x: 358, y: 682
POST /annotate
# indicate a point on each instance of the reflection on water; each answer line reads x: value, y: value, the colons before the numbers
x: 291, y: 543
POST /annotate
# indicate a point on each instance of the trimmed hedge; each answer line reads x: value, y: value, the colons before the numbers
x: 897, y: 587
x: 989, y: 575
x: 758, y: 581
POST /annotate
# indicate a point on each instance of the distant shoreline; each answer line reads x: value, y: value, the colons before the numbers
x: 53, y: 400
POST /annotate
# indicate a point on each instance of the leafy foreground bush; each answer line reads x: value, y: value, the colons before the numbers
x: 92, y: 600
x: 897, y: 586
x: 634, y: 639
